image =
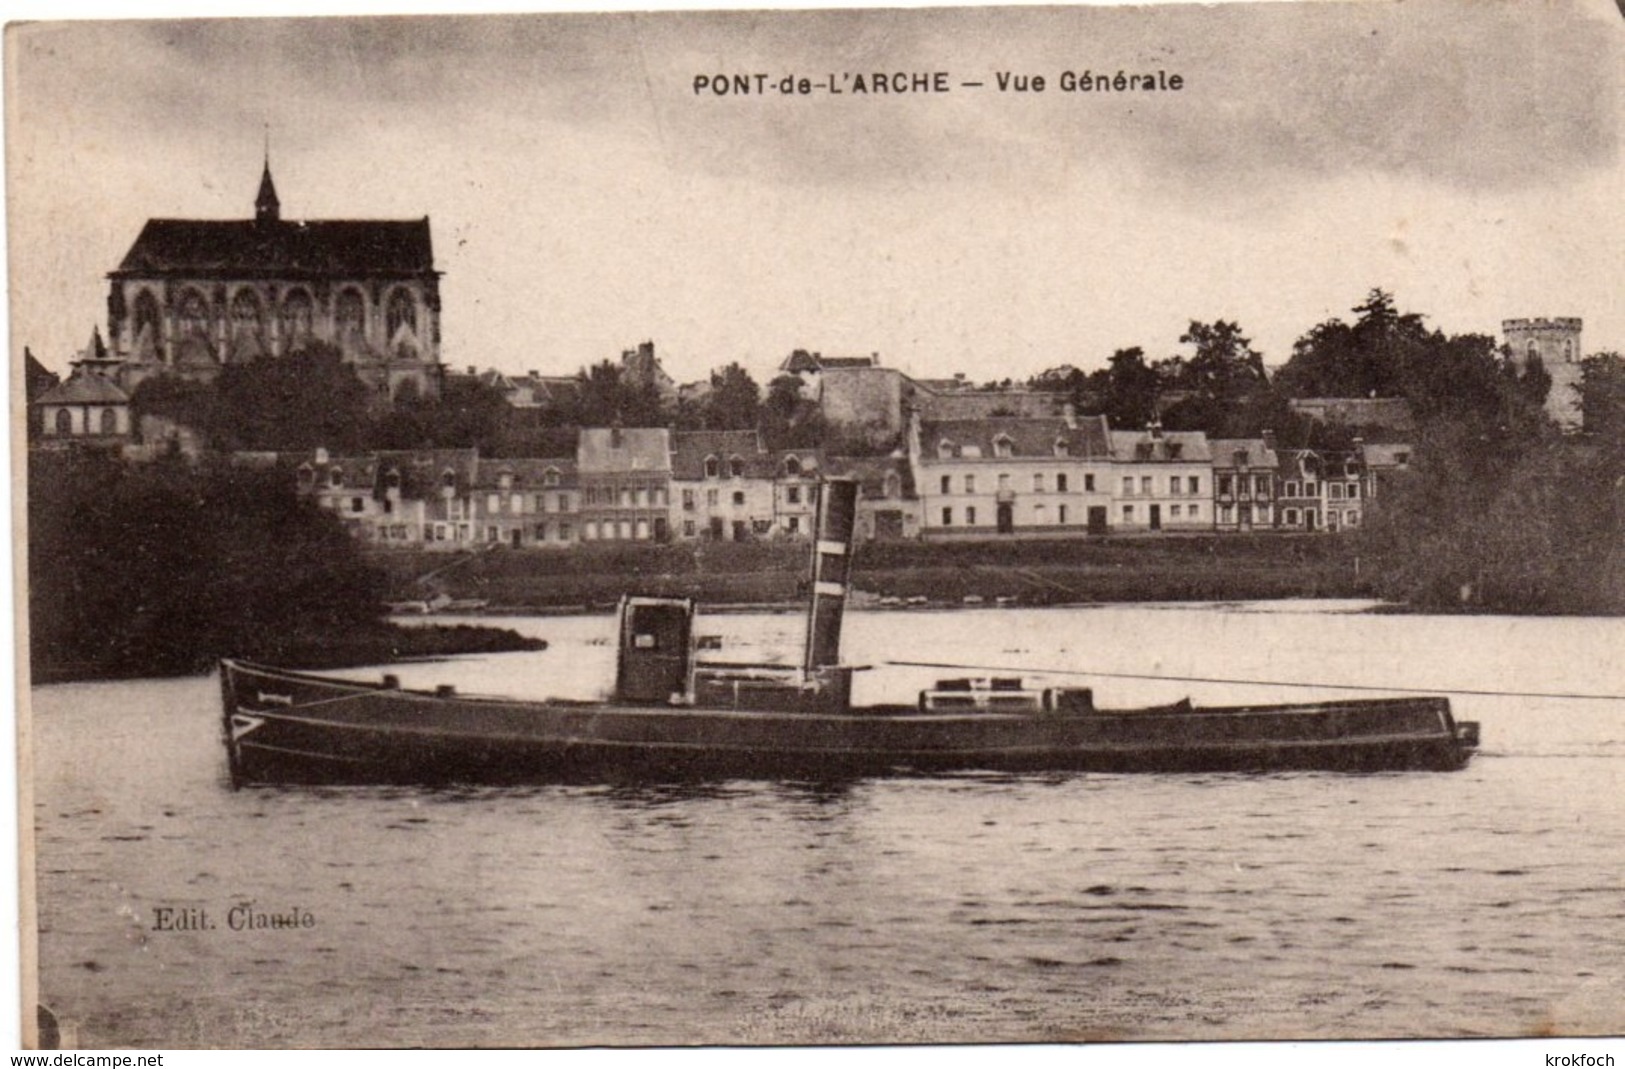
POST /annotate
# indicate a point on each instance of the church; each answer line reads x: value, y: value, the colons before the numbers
x: 193, y: 295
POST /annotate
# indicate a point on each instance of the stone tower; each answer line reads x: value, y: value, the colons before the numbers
x: 1556, y: 342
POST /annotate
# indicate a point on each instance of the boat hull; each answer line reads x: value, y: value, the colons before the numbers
x: 289, y: 727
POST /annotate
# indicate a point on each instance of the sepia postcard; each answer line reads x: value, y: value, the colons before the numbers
x: 820, y: 527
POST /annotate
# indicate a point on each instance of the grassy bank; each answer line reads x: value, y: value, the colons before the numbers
x: 1172, y: 568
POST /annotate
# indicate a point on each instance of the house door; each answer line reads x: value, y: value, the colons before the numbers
x: 1156, y: 517
x: 1097, y: 519
x: 516, y: 535
x: 1309, y: 519
x: 1006, y: 517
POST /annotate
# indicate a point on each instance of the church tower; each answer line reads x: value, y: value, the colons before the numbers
x: 267, y: 208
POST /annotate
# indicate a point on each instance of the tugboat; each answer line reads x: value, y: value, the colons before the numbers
x: 674, y: 717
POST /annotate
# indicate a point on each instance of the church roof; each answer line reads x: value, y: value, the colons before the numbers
x: 247, y: 248
x: 84, y: 389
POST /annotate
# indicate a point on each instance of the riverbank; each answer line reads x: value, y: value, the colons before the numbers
x: 1168, y: 568
x: 383, y: 643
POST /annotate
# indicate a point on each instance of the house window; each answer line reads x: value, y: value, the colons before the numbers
x: 948, y: 517
x: 1173, y: 512
x: 358, y: 504
x: 688, y: 501
x: 1335, y: 490
x: 493, y: 504
x: 736, y: 467
x: 1061, y: 449
x: 589, y: 531
x: 1354, y: 490
x: 626, y: 497
x: 1060, y: 482
x: 1402, y: 459
x: 1309, y: 488
x: 550, y: 477
x: 643, y: 530
x: 1352, y: 518
x: 1040, y: 516
x: 792, y: 495
x: 1290, y: 517
x: 64, y: 421
x: 1038, y: 482
x: 109, y: 421
x: 947, y: 486
x: 1001, y: 446
x: 1061, y: 516
x: 1193, y: 485
x: 712, y: 468
x: 710, y: 499
x: 1261, y: 485
x: 402, y: 312
x: 1145, y: 485
x: 1195, y: 512
x: 793, y: 525
x: 1004, y: 482
x: 1128, y: 486
x: 792, y: 467
x: 564, y: 532
x: 893, y: 485
x: 688, y: 528
x: 516, y: 503
x: 970, y: 484
x: 1173, y: 485
x: 945, y: 449
x: 1128, y: 513
x: 335, y: 477
x: 1226, y: 485
x: 1226, y: 512
x: 623, y: 530
x: 739, y: 497
x: 970, y: 515
x: 1089, y: 483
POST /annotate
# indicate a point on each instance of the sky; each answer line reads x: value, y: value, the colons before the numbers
x: 1465, y: 156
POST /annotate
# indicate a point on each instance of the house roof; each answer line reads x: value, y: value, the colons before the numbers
x: 691, y: 448
x: 529, y: 473
x: 613, y: 450
x: 1241, y: 452
x: 1162, y: 448
x: 248, y: 248
x: 1031, y: 438
x: 871, y: 472
x: 1387, y: 454
x: 84, y: 388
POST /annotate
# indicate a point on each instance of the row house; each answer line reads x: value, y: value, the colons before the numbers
x: 1161, y: 480
x: 722, y: 486
x: 530, y: 502
x: 1243, y: 483
x: 624, y: 475
x: 888, y: 506
x: 419, y: 498
x: 1007, y: 476
x: 1328, y: 489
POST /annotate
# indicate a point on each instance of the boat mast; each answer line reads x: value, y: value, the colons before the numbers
x: 831, y: 571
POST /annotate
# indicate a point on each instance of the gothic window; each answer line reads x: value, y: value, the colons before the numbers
x: 192, y: 317
x: 146, y: 315
x: 245, y: 314
x: 350, y: 314
x: 402, y: 312
x: 297, y: 318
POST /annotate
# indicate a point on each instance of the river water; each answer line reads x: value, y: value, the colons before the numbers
x: 971, y: 908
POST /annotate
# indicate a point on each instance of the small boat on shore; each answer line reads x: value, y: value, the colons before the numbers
x: 673, y: 716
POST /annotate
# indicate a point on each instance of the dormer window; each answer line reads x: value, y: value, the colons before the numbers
x: 736, y: 468
x: 946, y: 450
x: 448, y: 479
x: 1061, y: 448
x: 392, y: 479
x: 1175, y: 449
x: 335, y: 477
x: 505, y: 481
x: 307, y: 474
x: 712, y: 468
x: 792, y: 467
x: 1001, y: 446
x: 550, y: 477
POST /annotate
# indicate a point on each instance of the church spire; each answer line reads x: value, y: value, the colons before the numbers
x: 267, y: 209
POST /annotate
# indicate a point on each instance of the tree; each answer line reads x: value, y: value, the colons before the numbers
x: 1602, y: 397
x: 790, y: 420
x: 606, y: 399
x: 734, y: 402
x: 1223, y: 382
x: 299, y: 401
x: 1127, y: 389
x: 1370, y: 358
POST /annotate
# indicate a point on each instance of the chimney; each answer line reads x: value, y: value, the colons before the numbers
x: 321, y: 454
x: 1154, y: 428
x: 1269, y: 439
x: 1069, y: 412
